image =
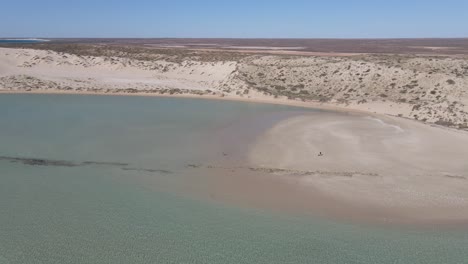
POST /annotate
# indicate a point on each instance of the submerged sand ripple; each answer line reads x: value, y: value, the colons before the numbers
x: 67, y: 163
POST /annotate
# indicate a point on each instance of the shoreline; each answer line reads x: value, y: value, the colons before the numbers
x: 359, y: 84
x: 25, y: 40
x: 287, y: 191
x: 286, y: 102
x: 393, y: 133
x: 271, y: 101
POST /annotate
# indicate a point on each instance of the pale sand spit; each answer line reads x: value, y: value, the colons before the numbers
x: 400, y: 168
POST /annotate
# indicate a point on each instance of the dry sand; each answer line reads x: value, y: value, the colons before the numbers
x: 50, y: 71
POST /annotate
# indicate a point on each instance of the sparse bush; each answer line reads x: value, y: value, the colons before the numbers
x: 442, y: 122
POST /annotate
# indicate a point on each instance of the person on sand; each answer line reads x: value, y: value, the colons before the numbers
x: 320, y: 154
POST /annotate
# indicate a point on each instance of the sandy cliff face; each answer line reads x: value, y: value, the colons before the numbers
x: 431, y: 89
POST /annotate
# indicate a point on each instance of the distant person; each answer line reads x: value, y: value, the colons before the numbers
x: 320, y: 154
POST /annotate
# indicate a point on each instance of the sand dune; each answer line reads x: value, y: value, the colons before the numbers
x: 46, y: 70
x: 428, y: 89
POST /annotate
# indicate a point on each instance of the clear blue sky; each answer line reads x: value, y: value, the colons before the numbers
x: 234, y: 18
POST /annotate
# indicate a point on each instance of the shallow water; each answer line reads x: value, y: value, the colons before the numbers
x: 101, y: 212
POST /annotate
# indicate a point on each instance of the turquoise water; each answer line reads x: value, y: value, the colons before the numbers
x: 100, y: 213
x: 8, y: 41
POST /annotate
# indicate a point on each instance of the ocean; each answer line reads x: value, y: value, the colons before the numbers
x: 104, y: 179
x: 20, y: 41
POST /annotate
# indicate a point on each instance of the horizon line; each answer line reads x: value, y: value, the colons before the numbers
x: 266, y: 38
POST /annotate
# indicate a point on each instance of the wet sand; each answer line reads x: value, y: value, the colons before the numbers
x: 373, y: 168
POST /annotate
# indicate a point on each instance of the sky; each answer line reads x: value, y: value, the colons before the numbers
x: 234, y: 18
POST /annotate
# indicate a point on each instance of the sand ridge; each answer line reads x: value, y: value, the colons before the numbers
x: 429, y: 89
